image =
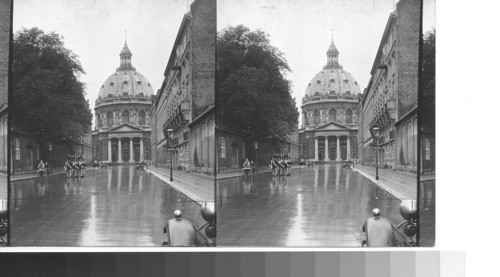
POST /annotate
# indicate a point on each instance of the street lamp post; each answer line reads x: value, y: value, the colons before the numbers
x: 50, y: 157
x: 170, y: 133
x: 256, y: 145
x: 376, y: 133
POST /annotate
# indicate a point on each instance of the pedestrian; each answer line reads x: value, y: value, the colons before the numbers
x: 274, y: 165
x: 67, y: 167
x: 252, y: 165
x: 81, y: 167
x: 74, y: 168
x: 288, y: 165
x: 246, y: 166
x: 47, y: 168
x: 281, y: 164
x: 40, y: 168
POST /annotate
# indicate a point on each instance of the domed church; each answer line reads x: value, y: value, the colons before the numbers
x: 122, y: 115
x: 329, y: 121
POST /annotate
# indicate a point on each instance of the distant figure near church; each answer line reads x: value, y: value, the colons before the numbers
x: 122, y: 112
x: 329, y: 121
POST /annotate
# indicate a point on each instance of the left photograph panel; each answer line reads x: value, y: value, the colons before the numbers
x: 5, y: 30
x: 112, y: 123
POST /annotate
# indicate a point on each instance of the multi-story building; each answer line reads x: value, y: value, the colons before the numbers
x: 5, y: 26
x: 186, y: 100
x: 329, y: 120
x: 122, y: 115
x: 84, y: 148
x: 390, y: 99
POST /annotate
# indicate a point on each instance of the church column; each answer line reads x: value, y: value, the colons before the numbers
x: 109, y: 150
x: 131, y: 160
x: 338, y: 149
x: 120, y: 150
x: 141, y: 157
x: 348, y: 147
x: 327, y: 157
x: 316, y: 148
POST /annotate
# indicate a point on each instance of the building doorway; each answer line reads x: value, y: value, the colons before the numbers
x: 236, y: 155
x: 29, y: 157
x: 114, y: 150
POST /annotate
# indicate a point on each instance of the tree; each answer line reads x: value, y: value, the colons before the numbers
x: 428, y: 105
x: 48, y: 98
x: 253, y: 94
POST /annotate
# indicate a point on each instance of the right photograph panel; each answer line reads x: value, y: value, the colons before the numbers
x: 317, y: 123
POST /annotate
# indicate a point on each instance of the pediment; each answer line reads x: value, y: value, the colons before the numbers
x: 124, y: 128
x: 332, y: 126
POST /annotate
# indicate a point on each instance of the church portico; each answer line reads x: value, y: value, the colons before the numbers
x: 123, y: 148
x: 332, y: 147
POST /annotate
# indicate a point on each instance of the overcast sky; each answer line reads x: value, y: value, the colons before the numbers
x: 302, y: 30
x: 95, y: 31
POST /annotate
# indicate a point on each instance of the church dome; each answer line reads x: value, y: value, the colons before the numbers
x: 333, y: 80
x: 126, y: 81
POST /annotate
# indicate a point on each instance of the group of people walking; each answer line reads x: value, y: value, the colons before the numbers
x: 281, y: 165
x: 249, y: 166
x: 74, y: 168
x: 43, y: 167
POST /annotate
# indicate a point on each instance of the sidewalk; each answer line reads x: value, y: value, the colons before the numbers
x: 31, y: 175
x: 239, y: 172
x: 402, y: 185
x: 198, y: 187
x: 3, y: 186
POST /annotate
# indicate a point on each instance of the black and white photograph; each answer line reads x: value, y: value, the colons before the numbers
x: 112, y: 135
x: 317, y: 109
x: 5, y: 30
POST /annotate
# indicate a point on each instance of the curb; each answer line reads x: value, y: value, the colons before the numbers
x: 36, y: 176
x: 242, y: 174
x: 385, y: 187
x: 188, y: 194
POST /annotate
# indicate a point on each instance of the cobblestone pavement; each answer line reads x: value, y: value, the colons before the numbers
x: 117, y: 206
x: 324, y: 205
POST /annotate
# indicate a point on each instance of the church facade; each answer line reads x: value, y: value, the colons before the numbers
x: 329, y: 118
x: 122, y: 115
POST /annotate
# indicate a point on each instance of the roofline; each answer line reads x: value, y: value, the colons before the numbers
x: 388, y: 26
x: 185, y: 20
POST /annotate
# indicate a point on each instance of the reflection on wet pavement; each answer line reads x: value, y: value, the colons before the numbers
x: 117, y: 206
x: 324, y: 205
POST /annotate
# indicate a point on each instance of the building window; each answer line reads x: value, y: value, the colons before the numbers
x: 17, y: 144
x: 222, y: 147
x: 316, y: 117
x: 125, y: 117
x: 142, y: 118
x: 348, y: 115
x: 427, y: 149
x: 109, y: 117
x: 332, y: 115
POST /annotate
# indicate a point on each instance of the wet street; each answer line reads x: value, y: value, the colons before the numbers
x: 324, y: 205
x: 117, y: 206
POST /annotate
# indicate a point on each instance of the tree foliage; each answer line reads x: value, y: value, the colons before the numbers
x: 48, y: 98
x: 428, y: 90
x: 253, y: 94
